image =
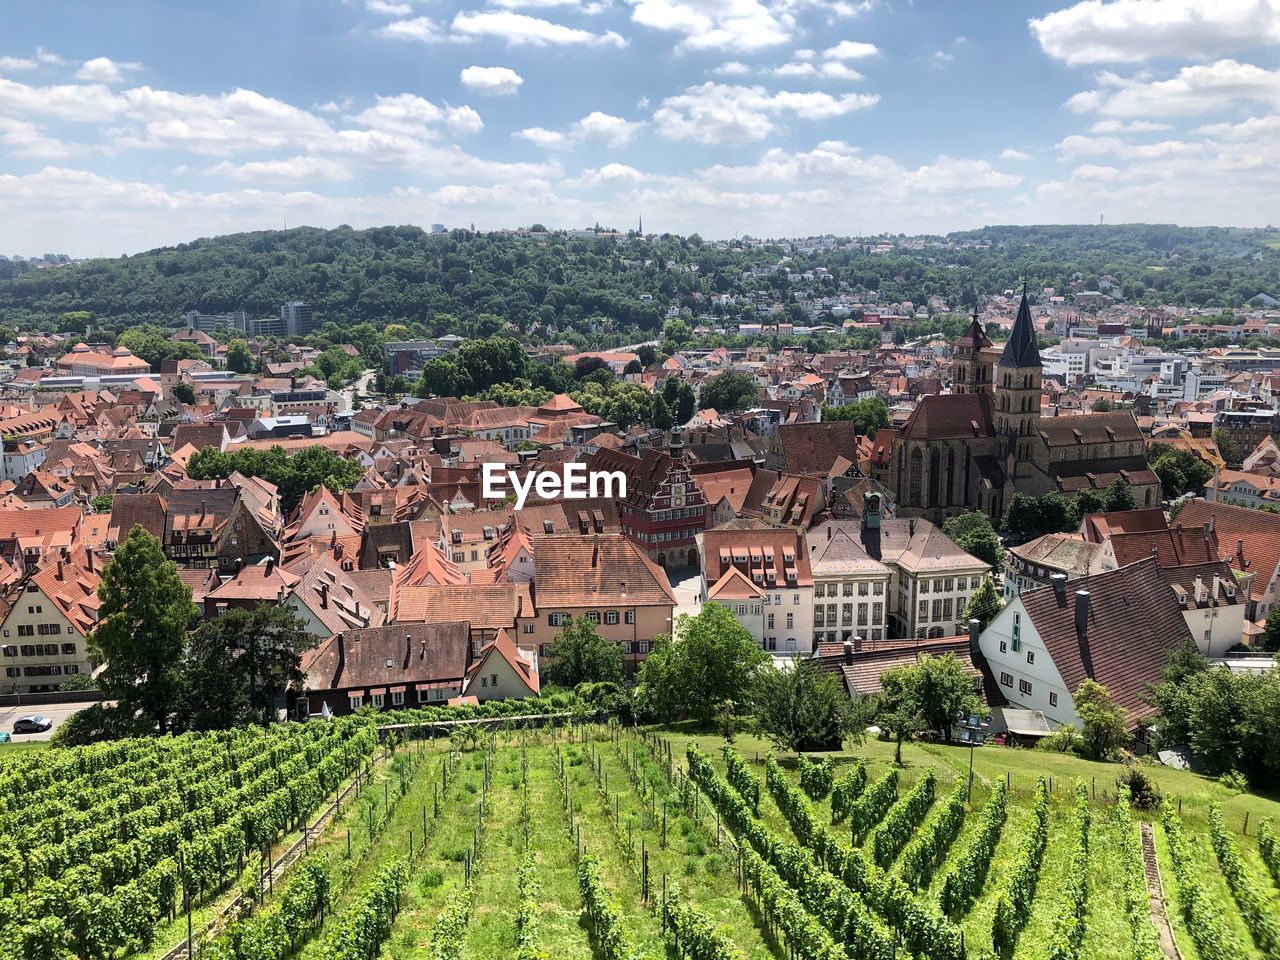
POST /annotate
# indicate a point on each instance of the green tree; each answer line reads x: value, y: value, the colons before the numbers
x: 686, y: 404
x: 868, y: 415
x: 239, y: 359
x: 1104, y: 731
x: 974, y: 534
x: 984, y: 604
x: 728, y: 391
x: 183, y: 391
x: 897, y: 710
x: 1089, y: 501
x: 209, y: 463
x: 1227, y: 445
x: 579, y: 654
x: 712, y: 659
x: 804, y: 707
x: 943, y: 690
x: 143, y: 612
x: 102, y: 503
x: 1271, y: 632
x: 1119, y: 496
x: 238, y: 663
x: 662, y: 418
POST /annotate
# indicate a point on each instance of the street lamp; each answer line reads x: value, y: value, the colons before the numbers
x: 973, y: 731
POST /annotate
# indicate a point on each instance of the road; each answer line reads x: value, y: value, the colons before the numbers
x: 361, y: 386
x: 57, y: 712
x: 686, y: 583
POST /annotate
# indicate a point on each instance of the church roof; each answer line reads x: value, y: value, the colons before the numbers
x: 974, y: 336
x: 1022, y: 350
x: 939, y: 417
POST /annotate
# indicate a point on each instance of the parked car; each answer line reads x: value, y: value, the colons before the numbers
x: 32, y: 724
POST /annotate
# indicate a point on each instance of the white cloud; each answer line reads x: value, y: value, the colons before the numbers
x: 734, y: 68
x: 519, y: 29
x: 423, y: 29
x: 81, y: 103
x: 388, y: 8
x: 1134, y: 31
x: 335, y: 106
x: 542, y: 137
x: 728, y: 25
x: 491, y: 81
x: 402, y: 113
x: 1131, y: 126
x: 611, y: 174
x: 723, y: 113
x: 851, y: 50
x: 25, y: 139
x: 292, y: 170
x: 613, y: 131
x: 1009, y: 153
x: 463, y: 121
x: 1195, y: 89
x: 1253, y: 129
x: 576, y: 6
x: 104, y: 70
x: 601, y: 127
x: 1077, y: 146
x: 40, y: 58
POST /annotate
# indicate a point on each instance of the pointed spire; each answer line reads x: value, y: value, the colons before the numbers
x: 1022, y: 350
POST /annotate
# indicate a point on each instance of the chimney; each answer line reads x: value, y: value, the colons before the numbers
x: 202, y: 509
x: 857, y: 643
x: 595, y: 552
x: 848, y: 653
x: 911, y: 527
x: 1240, y: 552
x: 270, y: 565
x: 1059, y: 581
x: 408, y: 647
x: 1082, y: 614
x: 828, y: 531
x: 1207, y: 530
x: 324, y: 596
x: 975, y: 628
x: 342, y: 655
x: 59, y: 569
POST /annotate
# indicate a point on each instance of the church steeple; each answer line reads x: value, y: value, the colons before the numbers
x: 1022, y: 349
x: 972, y: 371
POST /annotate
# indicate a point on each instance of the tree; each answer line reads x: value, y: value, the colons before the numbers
x: 1227, y: 445
x: 580, y: 655
x: 183, y: 391
x: 1101, y: 405
x: 973, y: 533
x: 898, y: 708
x: 143, y: 612
x: 1179, y: 470
x: 868, y: 415
x: 1089, y: 501
x: 662, y: 418
x: 984, y: 604
x: 1271, y: 632
x: 712, y: 660
x: 686, y: 403
x: 728, y: 391
x: 237, y: 664
x: 102, y: 503
x: 1104, y: 731
x: 1029, y: 517
x: 1119, y: 496
x: 805, y: 707
x: 239, y: 359
x: 943, y: 691
x: 633, y: 367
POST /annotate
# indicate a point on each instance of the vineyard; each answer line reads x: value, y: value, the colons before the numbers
x: 317, y: 841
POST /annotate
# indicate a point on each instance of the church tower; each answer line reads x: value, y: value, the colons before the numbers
x: 1017, y: 388
x: 971, y: 371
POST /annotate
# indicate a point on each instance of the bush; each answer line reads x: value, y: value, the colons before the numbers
x: 1143, y: 792
x: 1235, y: 781
x: 1065, y: 739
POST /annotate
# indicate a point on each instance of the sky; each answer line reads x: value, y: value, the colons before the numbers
x: 129, y: 125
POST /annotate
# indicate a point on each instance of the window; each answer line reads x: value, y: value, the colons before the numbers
x: 629, y: 617
x: 946, y: 608
x: 791, y: 620
x: 846, y: 613
x: 1017, y: 632
x: 877, y: 612
x: 742, y: 609
x: 848, y: 589
x: 862, y: 614
x: 593, y: 616
x: 484, y: 681
x: 528, y: 628
x: 356, y: 702
x: 611, y: 617
x: 13, y: 671
x: 819, y: 590
x: 1024, y: 687
x: 1004, y: 647
x: 1031, y: 656
x: 863, y: 588
x: 877, y: 589
x: 376, y: 700
x: 543, y: 649
x: 924, y: 586
x: 795, y: 601
x: 397, y: 698
x: 493, y: 679
x: 951, y: 584
x: 924, y: 610
x: 937, y: 610
x: 1053, y: 699
x: 644, y: 646
x: 1006, y: 679
x: 68, y: 649
x: 26, y: 630
x: 423, y: 695
x: 557, y: 619
x: 10, y: 650
x: 768, y: 622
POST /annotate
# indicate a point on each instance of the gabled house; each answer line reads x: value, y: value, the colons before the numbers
x: 46, y: 623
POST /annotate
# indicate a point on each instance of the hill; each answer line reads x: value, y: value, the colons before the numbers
x: 599, y: 287
x: 585, y: 842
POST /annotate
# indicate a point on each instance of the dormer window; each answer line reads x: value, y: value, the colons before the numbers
x: 457, y: 536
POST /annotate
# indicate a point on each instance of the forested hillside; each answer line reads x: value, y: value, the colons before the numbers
x: 463, y: 282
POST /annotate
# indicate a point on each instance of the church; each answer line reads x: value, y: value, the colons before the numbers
x: 974, y: 448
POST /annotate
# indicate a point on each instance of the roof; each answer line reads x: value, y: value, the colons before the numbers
x: 1021, y: 350
x: 576, y: 571
x: 920, y: 547
x: 939, y: 417
x: 489, y: 606
x: 415, y: 652
x: 1249, y: 539
x: 146, y: 510
x: 836, y: 550
x: 872, y: 659
x: 1116, y: 426
x: 815, y: 447
x: 265, y: 583
x: 1067, y: 552
x: 776, y: 555
x: 1134, y: 623
x: 501, y: 646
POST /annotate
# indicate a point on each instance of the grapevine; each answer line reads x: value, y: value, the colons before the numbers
x: 928, y: 849
x: 848, y: 787
x: 816, y: 776
x: 961, y: 886
x: 901, y: 821
x: 1068, y: 929
x: 1145, y: 944
x: 1263, y: 925
x: 1213, y: 937
x: 1013, y: 907
x: 867, y: 810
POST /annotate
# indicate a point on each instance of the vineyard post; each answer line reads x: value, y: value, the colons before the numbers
x: 348, y: 844
x: 1246, y: 823
x: 186, y: 899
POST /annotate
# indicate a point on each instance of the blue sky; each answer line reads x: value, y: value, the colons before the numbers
x: 128, y: 125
